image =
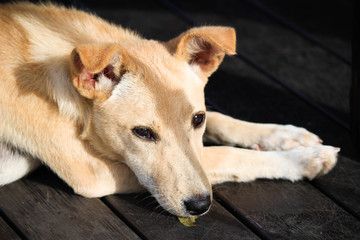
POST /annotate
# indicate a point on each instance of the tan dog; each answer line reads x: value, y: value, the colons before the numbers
x: 111, y: 112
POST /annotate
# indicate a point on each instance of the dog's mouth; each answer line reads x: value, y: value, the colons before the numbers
x: 172, y: 201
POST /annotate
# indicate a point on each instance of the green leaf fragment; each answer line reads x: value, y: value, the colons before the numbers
x: 188, y: 221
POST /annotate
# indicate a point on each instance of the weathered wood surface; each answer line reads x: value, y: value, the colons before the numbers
x: 342, y: 185
x: 155, y: 223
x: 288, y: 210
x: 42, y: 207
x: 6, y: 232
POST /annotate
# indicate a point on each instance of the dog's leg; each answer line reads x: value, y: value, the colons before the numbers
x: 223, y: 129
x: 14, y: 165
x: 70, y: 158
x: 89, y: 176
x: 102, y: 178
x: 58, y: 146
x: 87, y: 173
x: 223, y: 164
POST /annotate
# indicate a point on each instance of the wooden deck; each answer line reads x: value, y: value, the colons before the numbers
x: 280, y: 75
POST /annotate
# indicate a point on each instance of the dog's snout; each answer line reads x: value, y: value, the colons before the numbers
x: 198, y: 204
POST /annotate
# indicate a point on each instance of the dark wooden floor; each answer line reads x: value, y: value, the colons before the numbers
x: 275, y: 70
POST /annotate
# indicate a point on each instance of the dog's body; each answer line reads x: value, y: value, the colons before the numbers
x: 110, y: 112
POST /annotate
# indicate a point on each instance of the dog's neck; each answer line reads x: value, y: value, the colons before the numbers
x: 51, y: 79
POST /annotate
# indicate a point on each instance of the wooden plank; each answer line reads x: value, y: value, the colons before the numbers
x: 323, y: 25
x: 155, y: 223
x: 43, y: 207
x: 289, y: 210
x: 6, y: 232
x: 342, y: 184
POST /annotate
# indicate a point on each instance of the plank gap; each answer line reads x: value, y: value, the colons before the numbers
x: 225, y: 203
x: 124, y: 219
x: 12, y: 225
x: 336, y: 200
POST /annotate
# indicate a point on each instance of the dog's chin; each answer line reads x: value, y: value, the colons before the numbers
x: 174, y: 210
x: 174, y: 205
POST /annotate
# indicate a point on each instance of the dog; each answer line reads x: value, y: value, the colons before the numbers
x: 110, y: 112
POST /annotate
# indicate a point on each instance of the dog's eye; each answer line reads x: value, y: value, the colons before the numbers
x: 198, y: 119
x: 145, y: 133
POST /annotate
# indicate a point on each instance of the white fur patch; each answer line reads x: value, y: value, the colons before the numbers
x: 194, y: 69
x: 104, y: 84
x: 195, y: 45
x: 47, y: 47
x: 308, y: 162
x: 125, y: 86
x: 285, y: 137
x: 13, y: 165
x: 45, y: 43
x: 63, y: 92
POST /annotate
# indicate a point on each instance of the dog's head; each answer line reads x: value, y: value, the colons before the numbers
x: 148, y: 110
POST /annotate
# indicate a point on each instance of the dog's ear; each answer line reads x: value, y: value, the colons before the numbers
x: 96, y: 69
x: 204, y: 47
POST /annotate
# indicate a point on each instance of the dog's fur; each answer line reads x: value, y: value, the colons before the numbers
x: 75, y: 90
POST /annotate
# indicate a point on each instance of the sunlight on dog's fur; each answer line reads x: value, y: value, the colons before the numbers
x: 111, y: 112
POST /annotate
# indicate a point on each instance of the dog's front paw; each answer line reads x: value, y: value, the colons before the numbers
x: 286, y: 137
x: 311, y: 162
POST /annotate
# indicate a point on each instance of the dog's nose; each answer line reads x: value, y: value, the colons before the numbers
x: 198, y: 204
